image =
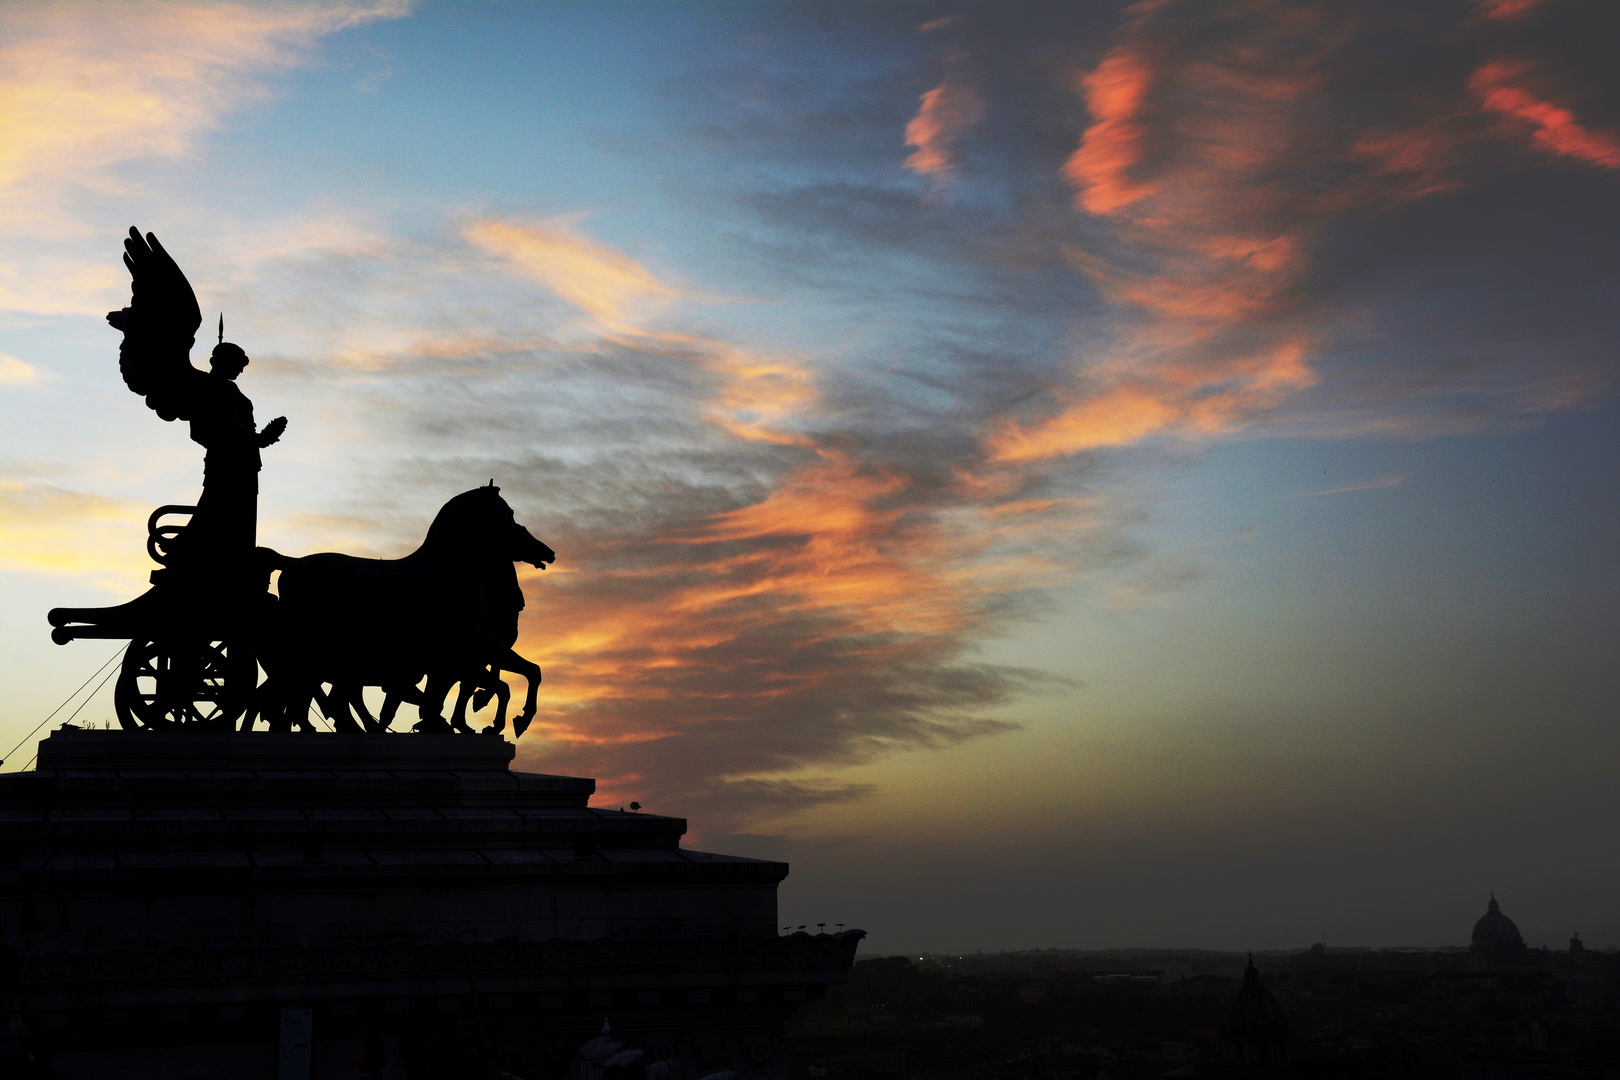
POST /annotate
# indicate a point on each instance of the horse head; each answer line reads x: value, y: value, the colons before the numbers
x: 478, y: 522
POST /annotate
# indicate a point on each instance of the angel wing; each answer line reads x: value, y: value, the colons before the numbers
x: 159, y: 327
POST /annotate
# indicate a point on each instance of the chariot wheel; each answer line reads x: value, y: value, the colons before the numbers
x: 202, y: 685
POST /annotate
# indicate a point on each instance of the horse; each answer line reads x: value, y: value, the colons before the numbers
x: 449, y: 609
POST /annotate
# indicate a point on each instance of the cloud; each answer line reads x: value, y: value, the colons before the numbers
x: 1115, y: 143
x: 86, y: 87
x: 13, y: 372
x: 945, y: 114
x: 45, y: 529
x: 1187, y: 160
x: 604, y: 284
x: 1388, y: 480
x: 1553, y: 128
x: 759, y: 395
x: 1215, y: 400
x: 1507, y: 9
x: 1153, y: 584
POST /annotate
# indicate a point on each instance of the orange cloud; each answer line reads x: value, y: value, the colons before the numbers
x: 758, y: 394
x: 815, y: 551
x: 1118, y: 417
x: 1190, y: 399
x: 1115, y: 143
x: 1218, y: 240
x: 1553, y: 128
x: 946, y: 113
x: 822, y: 594
x: 604, y: 284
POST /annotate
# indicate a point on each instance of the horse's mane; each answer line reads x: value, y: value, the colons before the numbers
x: 446, y: 530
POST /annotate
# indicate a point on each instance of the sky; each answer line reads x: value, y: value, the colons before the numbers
x: 1058, y: 475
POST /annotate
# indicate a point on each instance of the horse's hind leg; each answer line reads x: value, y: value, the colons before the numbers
x: 335, y: 706
x: 296, y: 714
x: 397, y: 695
x: 390, y: 707
x: 357, y: 702
x: 432, y: 704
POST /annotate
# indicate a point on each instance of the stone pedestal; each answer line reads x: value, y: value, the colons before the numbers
x: 171, y: 903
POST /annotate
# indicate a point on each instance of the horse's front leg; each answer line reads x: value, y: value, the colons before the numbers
x: 517, y: 665
x: 503, y: 696
x: 491, y: 685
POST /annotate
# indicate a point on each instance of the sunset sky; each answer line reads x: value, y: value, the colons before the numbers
x: 1058, y: 474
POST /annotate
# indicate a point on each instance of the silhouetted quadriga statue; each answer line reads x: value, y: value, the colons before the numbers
x: 446, y: 614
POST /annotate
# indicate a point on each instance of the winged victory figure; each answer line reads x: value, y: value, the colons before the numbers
x: 160, y: 326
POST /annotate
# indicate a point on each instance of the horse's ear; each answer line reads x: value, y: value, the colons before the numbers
x: 492, y: 486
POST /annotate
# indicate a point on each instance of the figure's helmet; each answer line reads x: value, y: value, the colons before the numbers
x: 228, y: 354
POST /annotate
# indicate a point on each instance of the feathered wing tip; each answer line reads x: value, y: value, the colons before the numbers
x: 159, y: 325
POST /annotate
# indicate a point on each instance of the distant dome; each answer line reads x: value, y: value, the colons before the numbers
x: 1497, y: 941
x: 1256, y: 1035
x: 1253, y: 1008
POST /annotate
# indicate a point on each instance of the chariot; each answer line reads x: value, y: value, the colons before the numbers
x: 194, y: 637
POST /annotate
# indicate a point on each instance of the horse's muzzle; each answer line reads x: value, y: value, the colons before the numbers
x: 532, y: 551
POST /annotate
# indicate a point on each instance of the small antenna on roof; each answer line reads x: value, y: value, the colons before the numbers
x: 222, y: 328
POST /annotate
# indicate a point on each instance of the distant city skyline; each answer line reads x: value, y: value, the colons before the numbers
x: 1067, y: 475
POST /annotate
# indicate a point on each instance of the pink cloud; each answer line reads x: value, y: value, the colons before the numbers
x: 1553, y: 128
x: 1113, y: 146
x: 1507, y: 9
x: 945, y: 114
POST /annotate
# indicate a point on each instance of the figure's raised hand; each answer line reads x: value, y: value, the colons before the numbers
x: 272, y: 431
